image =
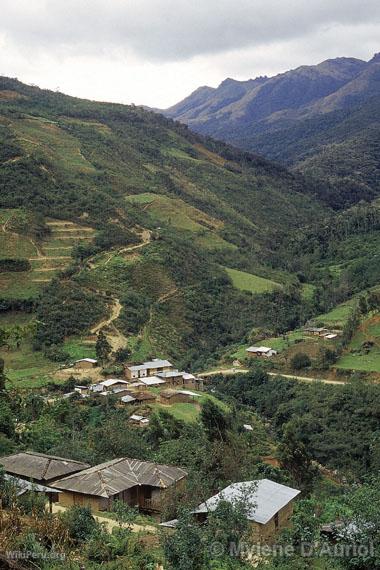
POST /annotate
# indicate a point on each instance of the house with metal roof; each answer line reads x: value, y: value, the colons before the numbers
x: 109, y: 385
x: 269, y: 506
x: 260, y: 351
x: 21, y: 487
x: 39, y: 467
x: 151, y: 368
x: 138, y: 483
x: 182, y: 379
x: 170, y: 396
x: 86, y: 363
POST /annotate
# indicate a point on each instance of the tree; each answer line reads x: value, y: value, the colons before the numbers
x: 326, y: 357
x: 295, y: 457
x: 122, y: 355
x: 102, y: 347
x: 3, y: 378
x: 214, y: 420
x: 300, y: 360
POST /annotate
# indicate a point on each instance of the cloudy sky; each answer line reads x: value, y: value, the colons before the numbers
x: 155, y: 52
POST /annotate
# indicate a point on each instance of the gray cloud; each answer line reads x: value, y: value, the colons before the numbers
x: 172, y: 30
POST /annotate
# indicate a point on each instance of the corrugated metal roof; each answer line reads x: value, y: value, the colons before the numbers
x: 25, y: 486
x: 128, y: 399
x: 112, y: 477
x: 155, y: 363
x: 39, y: 466
x: 152, y: 381
x: 112, y: 382
x: 258, y: 349
x: 170, y: 374
x: 266, y: 497
x: 92, y: 360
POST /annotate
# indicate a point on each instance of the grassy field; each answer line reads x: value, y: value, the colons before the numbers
x: 26, y: 368
x: 77, y: 349
x: 338, y: 316
x: 367, y: 363
x: 189, y: 412
x: 278, y: 343
x: 249, y: 282
x: 356, y: 357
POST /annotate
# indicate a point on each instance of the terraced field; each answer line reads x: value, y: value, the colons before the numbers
x: 180, y: 215
x: 46, y: 258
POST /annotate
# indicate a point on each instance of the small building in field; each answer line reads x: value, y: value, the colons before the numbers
x: 316, y: 331
x: 86, y: 363
x: 39, y: 467
x: 261, y: 351
x: 137, y: 483
x: 269, y: 506
x: 110, y: 385
x: 128, y: 399
x: 170, y: 397
x: 151, y: 368
x: 140, y: 421
x: 144, y: 397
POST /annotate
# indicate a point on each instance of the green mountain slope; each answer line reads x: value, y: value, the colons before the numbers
x: 322, y: 119
x: 114, y: 217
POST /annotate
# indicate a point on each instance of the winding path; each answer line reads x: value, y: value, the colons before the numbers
x: 234, y: 371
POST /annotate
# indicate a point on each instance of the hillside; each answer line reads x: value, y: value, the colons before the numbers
x: 114, y: 217
x: 322, y: 120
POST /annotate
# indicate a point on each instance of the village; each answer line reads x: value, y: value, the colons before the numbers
x: 143, y: 485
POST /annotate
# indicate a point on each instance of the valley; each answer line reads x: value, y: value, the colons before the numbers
x: 179, y: 316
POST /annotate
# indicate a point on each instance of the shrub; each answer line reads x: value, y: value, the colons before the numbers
x: 300, y: 360
x: 80, y: 523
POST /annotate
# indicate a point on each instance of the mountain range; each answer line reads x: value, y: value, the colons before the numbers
x: 321, y: 120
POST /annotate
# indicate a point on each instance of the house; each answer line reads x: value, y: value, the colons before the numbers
x: 191, y: 381
x: 184, y: 379
x: 172, y: 377
x: 110, y: 385
x: 151, y: 368
x: 140, y: 421
x: 170, y: 397
x: 128, y: 399
x: 144, y: 397
x: 261, y: 351
x: 22, y: 488
x: 269, y: 506
x: 316, y: 331
x: 39, y: 467
x: 152, y: 381
x: 140, y: 484
x: 86, y: 363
